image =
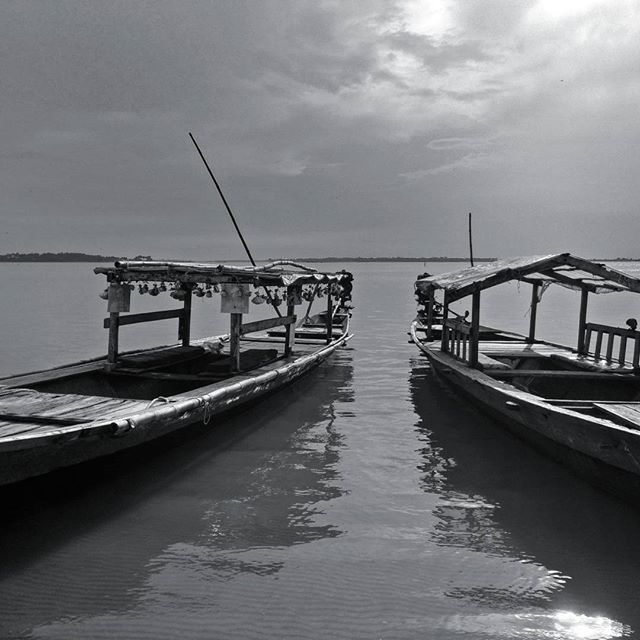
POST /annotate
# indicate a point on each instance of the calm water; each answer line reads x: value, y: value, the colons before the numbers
x: 364, y: 502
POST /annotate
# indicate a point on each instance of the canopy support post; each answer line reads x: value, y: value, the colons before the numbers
x: 329, y: 324
x: 533, y: 311
x: 430, y: 314
x: 582, y: 323
x: 234, y: 341
x: 290, y: 330
x: 184, y: 325
x: 475, y: 329
x: 444, y: 343
x: 114, y: 326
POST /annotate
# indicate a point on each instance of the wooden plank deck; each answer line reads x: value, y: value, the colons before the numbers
x: 24, y: 410
x: 28, y: 410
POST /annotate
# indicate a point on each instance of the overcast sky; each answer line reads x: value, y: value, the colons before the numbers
x: 357, y: 128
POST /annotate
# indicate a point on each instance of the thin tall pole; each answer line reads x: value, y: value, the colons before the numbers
x: 470, y: 241
x: 235, y: 224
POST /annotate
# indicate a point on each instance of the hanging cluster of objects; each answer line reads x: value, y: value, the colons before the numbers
x: 260, y: 294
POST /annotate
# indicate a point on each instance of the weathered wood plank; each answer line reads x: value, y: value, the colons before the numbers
x: 31, y: 419
x: 268, y: 323
x: 184, y: 324
x: 234, y: 340
x: 487, y: 362
x: 578, y: 375
x: 28, y: 404
x: 151, y: 316
x: 52, y: 374
x: 629, y: 414
x: 159, y: 358
x: 11, y: 429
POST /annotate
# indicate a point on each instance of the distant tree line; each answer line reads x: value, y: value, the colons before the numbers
x: 63, y: 257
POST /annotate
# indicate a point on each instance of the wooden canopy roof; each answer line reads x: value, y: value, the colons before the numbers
x: 563, y: 269
x: 281, y: 273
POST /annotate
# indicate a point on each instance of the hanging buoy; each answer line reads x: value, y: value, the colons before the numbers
x: 198, y: 292
x: 105, y: 294
x: 154, y: 291
x: 277, y: 300
x: 163, y: 286
x: 257, y: 299
x: 208, y: 293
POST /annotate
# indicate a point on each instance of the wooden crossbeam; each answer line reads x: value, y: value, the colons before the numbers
x: 268, y: 323
x: 580, y: 375
x: 135, y: 318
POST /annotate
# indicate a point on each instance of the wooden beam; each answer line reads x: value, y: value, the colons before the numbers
x: 582, y: 322
x: 184, y: 324
x: 533, y: 312
x: 444, y: 342
x: 234, y: 340
x: 602, y: 271
x: 135, y: 318
x: 430, y: 314
x: 290, y: 332
x: 268, y: 323
x: 475, y: 329
x: 574, y: 375
x: 329, y: 322
x: 114, y: 324
x: 46, y: 420
x: 575, y: 283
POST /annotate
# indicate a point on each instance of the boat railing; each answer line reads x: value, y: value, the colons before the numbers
x: 115, y: 321
x: 610, y: 340
x: 456, y: 337
x: 268, y: 323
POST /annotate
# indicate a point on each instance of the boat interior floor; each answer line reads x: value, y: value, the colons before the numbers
x: 147, y: 375
x: 80, y: 394
x: 559, y: 373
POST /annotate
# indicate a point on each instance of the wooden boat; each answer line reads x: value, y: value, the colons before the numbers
x: 70, y: 414
x: 581, y: 405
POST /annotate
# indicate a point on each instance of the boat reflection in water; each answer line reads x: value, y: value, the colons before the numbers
x: 542, y: 554
x: 165, y: 529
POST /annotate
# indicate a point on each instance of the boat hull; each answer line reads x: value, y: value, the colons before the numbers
x: 26, y: 456
x: 602, y: 452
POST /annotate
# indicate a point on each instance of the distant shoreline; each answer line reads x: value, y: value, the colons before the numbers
x: 63, y: 257
x: 88, y: 257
